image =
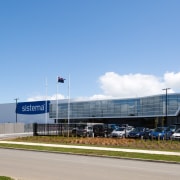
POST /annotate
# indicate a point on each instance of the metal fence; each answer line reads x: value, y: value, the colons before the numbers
x: 72, y: 129
x: 62, y: 129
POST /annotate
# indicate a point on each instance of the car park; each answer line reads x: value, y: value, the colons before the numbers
x: 93, y: 130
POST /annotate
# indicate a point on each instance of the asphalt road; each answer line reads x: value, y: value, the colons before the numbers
x: 31, y: 165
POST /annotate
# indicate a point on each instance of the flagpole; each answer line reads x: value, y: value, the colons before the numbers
x: 57, y: 100
x: 59, y: 80
x: 68, y: 104
x: 46, y: 84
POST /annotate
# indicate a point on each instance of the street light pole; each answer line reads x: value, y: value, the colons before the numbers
x: 166, y: 89
x: 16, y: 99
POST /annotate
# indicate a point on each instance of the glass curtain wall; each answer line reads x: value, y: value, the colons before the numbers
x: 152, y: 106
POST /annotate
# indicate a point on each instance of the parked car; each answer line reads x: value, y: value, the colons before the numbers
x: 99, y: 130
x: 169, y: 133
x: 139, y: 132
x: 176, y: 135
x: 121, y: 132
x: 172, y: 128
x: 84, y: 131
x: 158, y: 133
x: 109, y: 128
x: 124, y: 125
x: 128, y: 129
x: 73, y: 131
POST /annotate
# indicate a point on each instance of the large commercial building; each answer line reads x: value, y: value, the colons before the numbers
x: 150, y: 111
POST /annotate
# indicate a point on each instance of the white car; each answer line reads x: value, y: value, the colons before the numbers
x: 176, y: 135
x: 121, y: 132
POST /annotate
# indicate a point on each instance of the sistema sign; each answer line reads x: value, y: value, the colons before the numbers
x: 37, y: 107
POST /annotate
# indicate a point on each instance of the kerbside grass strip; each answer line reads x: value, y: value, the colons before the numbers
x: 97, y: 153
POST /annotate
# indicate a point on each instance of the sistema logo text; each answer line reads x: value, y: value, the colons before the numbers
x: 33, y: 108
x: 37, y: 107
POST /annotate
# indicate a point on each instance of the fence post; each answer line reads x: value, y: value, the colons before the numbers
x: 35, y: 129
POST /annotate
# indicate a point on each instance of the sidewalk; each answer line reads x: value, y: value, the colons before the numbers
x: 94, y: 148
x: 13, y: 135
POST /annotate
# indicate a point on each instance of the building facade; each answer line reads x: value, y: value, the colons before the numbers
x: 151, y: 111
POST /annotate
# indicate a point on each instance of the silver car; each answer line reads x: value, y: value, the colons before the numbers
x: 121, y: 132
x: 176, y: 135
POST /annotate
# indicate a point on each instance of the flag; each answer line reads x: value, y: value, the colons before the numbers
x: 60, y: 80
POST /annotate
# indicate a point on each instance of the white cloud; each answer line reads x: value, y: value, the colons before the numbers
x: 172, y: 80
x: 115, y: 85
x: 137, y: 85
x: 99, y: 96
x: 42, y: 98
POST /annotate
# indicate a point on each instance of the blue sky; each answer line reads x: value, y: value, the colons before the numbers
x: 109, y: 48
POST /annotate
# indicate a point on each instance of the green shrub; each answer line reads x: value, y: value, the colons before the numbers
x: 5, y: 178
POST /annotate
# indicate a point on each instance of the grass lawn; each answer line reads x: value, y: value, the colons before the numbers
x: 104, y: 142
x: 107, y: 142
x: 5, y: 178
